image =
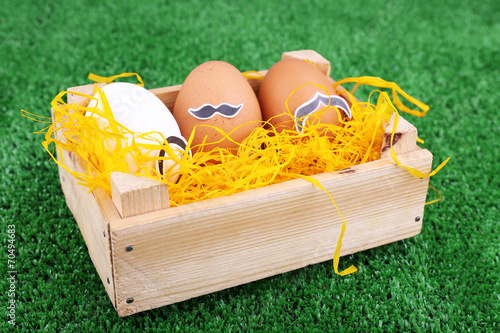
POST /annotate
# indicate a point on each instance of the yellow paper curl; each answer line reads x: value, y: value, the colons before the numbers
x: 103, y: 79
x: 396, y: 90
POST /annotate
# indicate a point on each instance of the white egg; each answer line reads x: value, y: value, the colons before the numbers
x: 140, y: 111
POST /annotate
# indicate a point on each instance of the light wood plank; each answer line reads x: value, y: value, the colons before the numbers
x: 168, y: 95
x: 92, y: 223
x: 405, y: 138
x: 92, y: 212
x: 134, y: 195
x: 199, y: 248
x: 317, y: 59
x: 87, y: 89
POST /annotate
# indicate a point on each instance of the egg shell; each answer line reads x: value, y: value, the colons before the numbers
x: 283, y: 78
x: 215, y: 93
x: 140, y: 111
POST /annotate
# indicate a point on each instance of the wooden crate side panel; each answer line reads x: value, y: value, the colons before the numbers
x: 209, y: 246
x: 92, y: 223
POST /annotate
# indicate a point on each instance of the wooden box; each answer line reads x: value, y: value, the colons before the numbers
x: 155, y: 255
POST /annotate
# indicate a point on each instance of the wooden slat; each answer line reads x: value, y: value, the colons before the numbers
x: 134, y: 195
x: 168, y: 95
x: 92, y: 222
x: 317, y: 59
x: 405, y: 138
x: 87, y: 89
x: 92, y: 212
x: 195, y: 249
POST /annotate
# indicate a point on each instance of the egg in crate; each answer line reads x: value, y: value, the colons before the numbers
x: 302, y: 84
x: 140, y: 111
x: 217, y: 94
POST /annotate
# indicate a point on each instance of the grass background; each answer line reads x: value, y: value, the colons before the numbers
x: 445, y: 53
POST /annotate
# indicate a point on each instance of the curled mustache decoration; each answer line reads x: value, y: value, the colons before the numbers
x: 175, y: 143
x: 207, y: 111
x: 312, y: 105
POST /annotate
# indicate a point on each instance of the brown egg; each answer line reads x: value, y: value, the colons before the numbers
x: 216, y: 93
x: 283, y: 78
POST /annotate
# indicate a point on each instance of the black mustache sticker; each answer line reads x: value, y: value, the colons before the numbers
x: 312, y: 105
x: 175, y: 143
x: 207, y: 111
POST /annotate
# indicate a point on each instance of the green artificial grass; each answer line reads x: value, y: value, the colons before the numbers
x: 445, y: 53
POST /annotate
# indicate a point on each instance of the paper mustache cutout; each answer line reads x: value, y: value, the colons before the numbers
x: 207, y: 111
x: 175, y: 143
x: 303, y: 111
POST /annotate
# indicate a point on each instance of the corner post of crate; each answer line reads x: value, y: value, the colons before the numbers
x: 310, y: 55
x: 405, y: 138
x: 87, y: 89
x: 134, y: 195
x: 322, y: 64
